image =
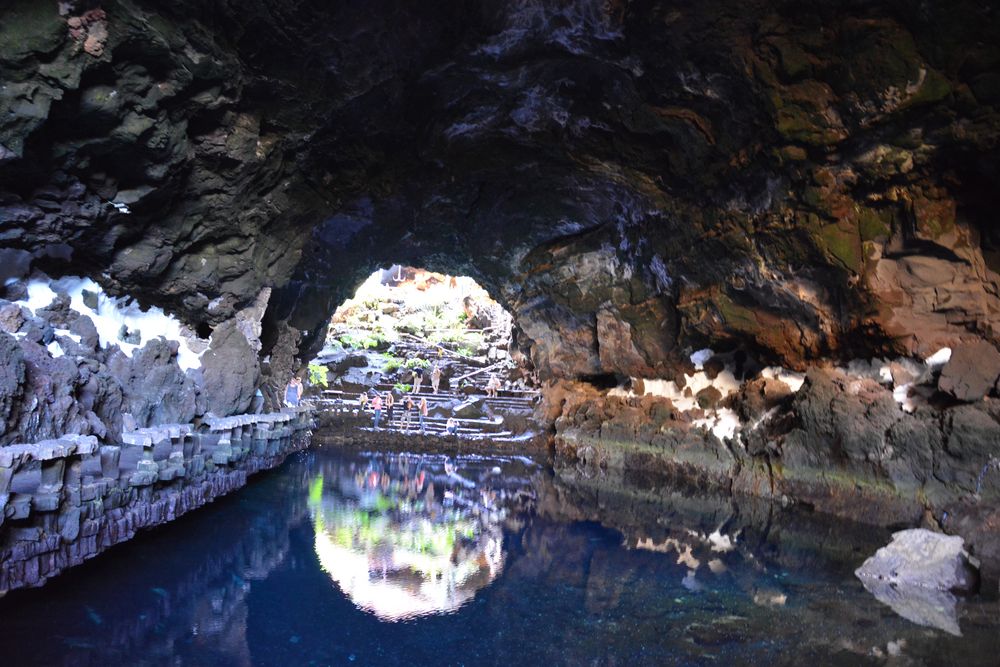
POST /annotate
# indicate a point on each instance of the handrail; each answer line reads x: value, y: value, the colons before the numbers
x: 481, y: 370
x: 439, y: 347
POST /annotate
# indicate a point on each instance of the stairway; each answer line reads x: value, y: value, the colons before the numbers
x: 514, y: 402
x: 519, y: 402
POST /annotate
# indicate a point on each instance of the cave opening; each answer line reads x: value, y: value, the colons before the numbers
x: 410, y: 334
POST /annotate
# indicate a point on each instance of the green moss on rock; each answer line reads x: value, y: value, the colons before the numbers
x: 874, y: 224
x: 842, y: 243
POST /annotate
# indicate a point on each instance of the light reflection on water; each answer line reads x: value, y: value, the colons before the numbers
x: 407, y: 536
x: 368, y: 558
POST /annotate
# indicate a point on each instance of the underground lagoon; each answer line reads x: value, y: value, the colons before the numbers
x: 480, y: 332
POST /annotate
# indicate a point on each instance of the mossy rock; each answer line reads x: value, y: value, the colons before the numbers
x: 736, y: 316
x: 794, y: 153
x: 874, y: 224
x: 843, y: 243
x: 813, y: 197
x: 794, y: 61
x: 935, y: 88
x: 799, y: 125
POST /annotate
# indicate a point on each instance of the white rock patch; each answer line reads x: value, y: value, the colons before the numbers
x: 722, y: 424
x: 939, y: 358
x: 700, y: 357
x: 791, y: 378
x: 111, y: 314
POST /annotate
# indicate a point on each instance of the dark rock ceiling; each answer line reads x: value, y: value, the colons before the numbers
x: 632, y: 179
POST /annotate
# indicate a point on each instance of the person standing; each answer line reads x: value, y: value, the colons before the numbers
x: 418, y: 378
x: 423, y: 415
x: 390, y: 403
x: 407, y: 411
x: 293, y: 392
x: 362, y: 402
x: 377, y: 407
x: 435, y: 378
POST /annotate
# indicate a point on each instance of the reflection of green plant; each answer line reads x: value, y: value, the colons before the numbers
x: 317, y: 375
x: 368, y: 529
x: 316, y: 491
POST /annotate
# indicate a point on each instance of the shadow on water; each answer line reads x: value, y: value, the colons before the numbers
x: 387, y: 558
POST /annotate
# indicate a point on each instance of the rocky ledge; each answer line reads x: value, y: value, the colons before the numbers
x: 843, y: 441
x: 65, y: 501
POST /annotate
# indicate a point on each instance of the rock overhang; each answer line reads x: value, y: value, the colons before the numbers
x: 638, y: 178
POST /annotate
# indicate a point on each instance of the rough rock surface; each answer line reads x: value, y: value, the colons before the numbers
x: 972, y: 371
x: 154, y: 390
x: 230, y: 371
x: 633, y: 181
x: 919, y: 557
x: 581, y: 159
x: 917, y: 573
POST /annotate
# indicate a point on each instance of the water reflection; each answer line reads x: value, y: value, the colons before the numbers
x: 405, y: 536
x: 346, y: 557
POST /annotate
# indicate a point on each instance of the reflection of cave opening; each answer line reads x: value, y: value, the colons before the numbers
x: 408, y: 536
x: 404, y: 322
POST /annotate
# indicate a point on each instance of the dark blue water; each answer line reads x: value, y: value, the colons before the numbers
x: 369, y: 559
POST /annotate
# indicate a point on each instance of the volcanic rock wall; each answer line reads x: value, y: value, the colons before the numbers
x: 793, y: 187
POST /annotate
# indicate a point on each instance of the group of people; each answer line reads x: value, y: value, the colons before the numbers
x: 418, y: 378
x: 386, y: 402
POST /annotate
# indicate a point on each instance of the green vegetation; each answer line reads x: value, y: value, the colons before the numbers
x: 405, y: 388
x: 392, y: 363
x: 417, y: 363
x: 317, y: 375
x: 361, y: 340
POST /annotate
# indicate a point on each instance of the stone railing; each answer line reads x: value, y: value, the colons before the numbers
x: 66, y: 500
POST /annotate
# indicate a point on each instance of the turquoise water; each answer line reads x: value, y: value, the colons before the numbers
x: 378, y: 558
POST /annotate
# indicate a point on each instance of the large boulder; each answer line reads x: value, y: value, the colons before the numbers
x: 917, y: 573
x: 972, y: 371
x: 920, y: 557
x: 154, y: 389
x: 471, y: 409
x: 444, y: 408
x: 230, y: 371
